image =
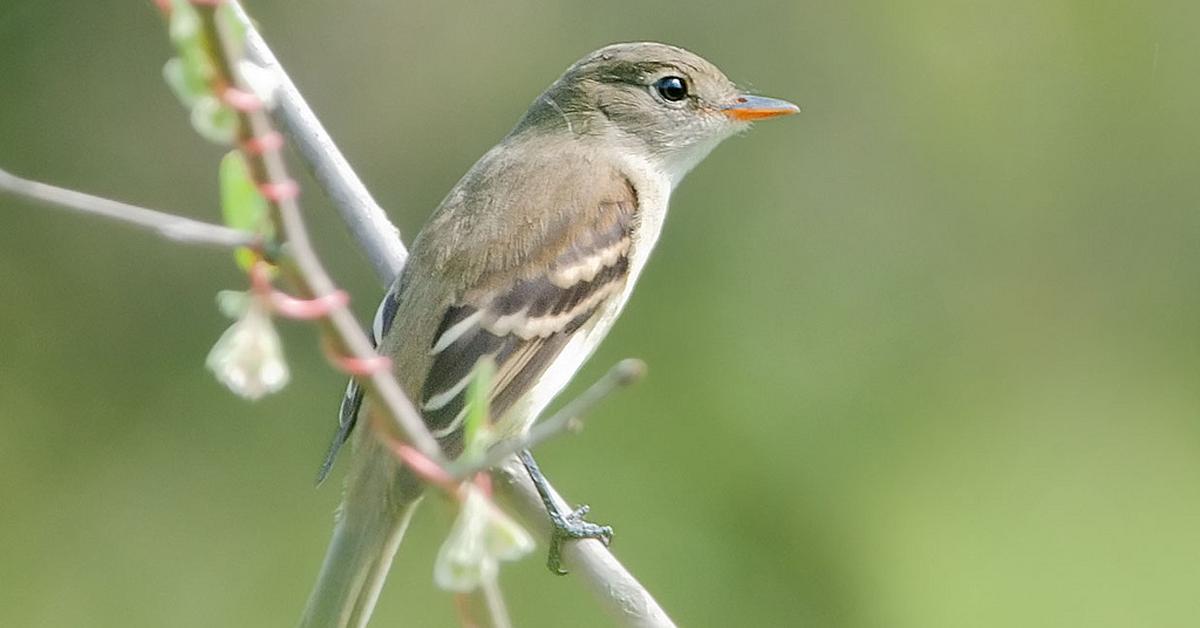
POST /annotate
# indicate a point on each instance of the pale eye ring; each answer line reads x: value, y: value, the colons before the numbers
x: 671, y: 88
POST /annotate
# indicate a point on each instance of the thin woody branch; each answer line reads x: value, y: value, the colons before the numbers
x: 170, y: 226
x: 368, y: 223
x: 300, y: 263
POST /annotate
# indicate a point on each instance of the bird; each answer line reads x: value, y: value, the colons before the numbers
x: 526, y: 264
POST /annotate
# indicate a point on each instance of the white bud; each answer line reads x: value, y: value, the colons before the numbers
x: 482, y: 536
x: 248, y: 358
x: 262, y: 81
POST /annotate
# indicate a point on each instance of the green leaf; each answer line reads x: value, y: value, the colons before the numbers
x: 186, y: 90
x: 214, y: 121
x: 198, y: 67
x: 478, y: 421
x: 242, y: 205
x: 184, y: 25
x: 189, y: 40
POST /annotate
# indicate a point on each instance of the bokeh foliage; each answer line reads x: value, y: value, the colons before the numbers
x: 925, y: 355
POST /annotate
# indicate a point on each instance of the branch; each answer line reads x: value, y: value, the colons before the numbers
x: 170, y: 226
x: 368, y: 223
x: 300, y: 264
x: 613, y: 585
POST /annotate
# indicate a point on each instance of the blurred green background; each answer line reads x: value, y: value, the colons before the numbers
x: 923, y: 356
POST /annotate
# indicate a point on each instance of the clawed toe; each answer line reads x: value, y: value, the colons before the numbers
x: 573, y: 527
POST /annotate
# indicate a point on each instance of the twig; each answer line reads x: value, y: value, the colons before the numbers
x: 494, y: 602
x: 170, y: 226
x: 591, y: 561
x: 367, y: 222
x: 303, y: 268
x: 622, y: 374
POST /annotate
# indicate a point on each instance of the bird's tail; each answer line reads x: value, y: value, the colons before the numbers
x: 380, y: 500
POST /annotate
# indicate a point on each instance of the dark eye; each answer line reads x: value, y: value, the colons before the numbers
x: 671, y: 88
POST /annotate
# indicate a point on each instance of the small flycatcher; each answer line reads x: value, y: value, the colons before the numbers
x: 527, y: 263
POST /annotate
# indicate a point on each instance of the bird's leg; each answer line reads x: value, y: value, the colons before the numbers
x: 566, y: 527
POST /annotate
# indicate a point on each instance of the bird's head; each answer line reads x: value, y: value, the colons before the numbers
x: 660, y: 100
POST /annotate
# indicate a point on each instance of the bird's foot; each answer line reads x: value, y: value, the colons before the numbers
x: 572, y: 527
x: 569, y: 527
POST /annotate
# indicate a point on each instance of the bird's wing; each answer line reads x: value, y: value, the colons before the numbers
x: 518, y: 314
x: 352, y: 400
x: 523, y: 322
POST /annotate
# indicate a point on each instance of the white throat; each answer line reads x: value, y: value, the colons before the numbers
x: 676, y: 164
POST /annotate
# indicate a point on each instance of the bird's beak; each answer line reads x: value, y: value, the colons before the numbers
x: 748, y: 108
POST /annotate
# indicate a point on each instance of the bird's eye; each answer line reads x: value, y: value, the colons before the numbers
x: 671, y: 88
